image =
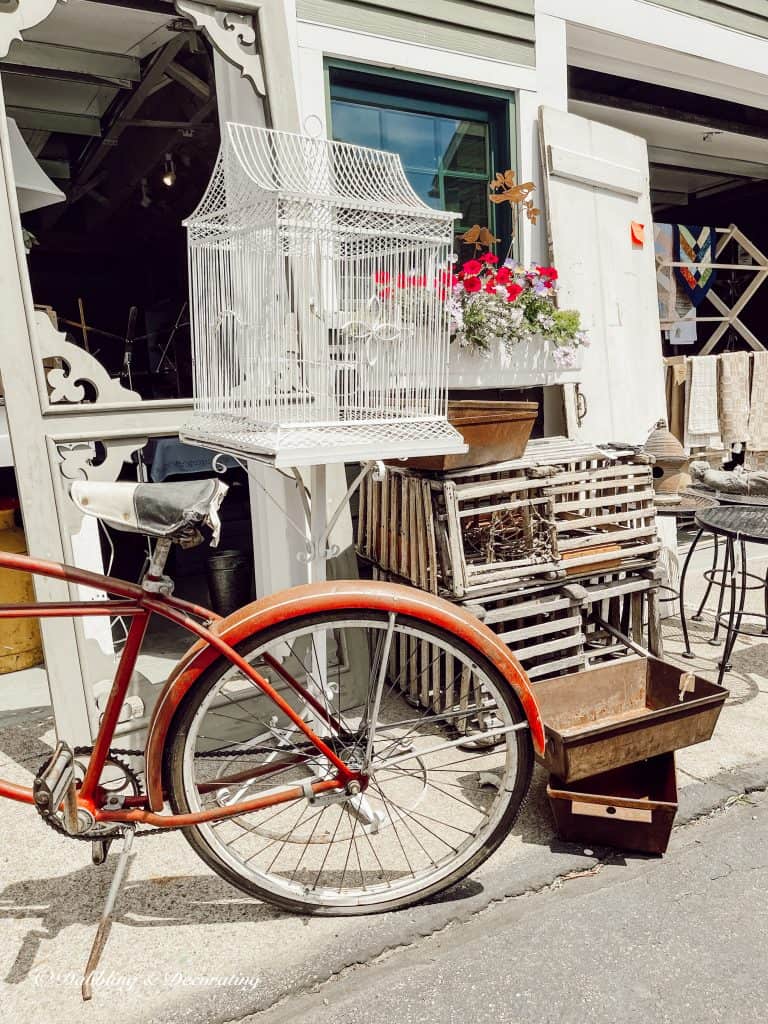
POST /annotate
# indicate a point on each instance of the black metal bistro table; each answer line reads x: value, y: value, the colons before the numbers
x: 737, y: 525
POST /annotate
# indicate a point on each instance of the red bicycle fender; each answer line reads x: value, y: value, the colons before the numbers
x: 327, y: 597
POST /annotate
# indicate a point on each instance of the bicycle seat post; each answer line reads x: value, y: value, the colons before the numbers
x: 155, y: 580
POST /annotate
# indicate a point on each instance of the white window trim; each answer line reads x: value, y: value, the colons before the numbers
x: 318, y: 42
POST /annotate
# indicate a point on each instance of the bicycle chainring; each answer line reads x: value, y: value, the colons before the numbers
x: 105, y: 831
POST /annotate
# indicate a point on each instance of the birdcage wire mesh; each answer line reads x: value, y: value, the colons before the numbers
x: 318, y: 281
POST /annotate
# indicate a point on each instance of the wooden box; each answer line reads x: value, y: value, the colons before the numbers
x: 632, y: 808
x: 605, y: 515
x: 546, y: 629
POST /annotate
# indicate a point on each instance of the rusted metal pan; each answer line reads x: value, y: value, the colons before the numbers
x: 614, y: 715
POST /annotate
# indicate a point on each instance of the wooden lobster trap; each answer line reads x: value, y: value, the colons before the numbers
x: 549, y: 629
x: 605, y: 515
x: 457, y: 537
x: 566, y: 509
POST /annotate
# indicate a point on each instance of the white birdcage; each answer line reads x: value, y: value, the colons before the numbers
x: 318, y: 281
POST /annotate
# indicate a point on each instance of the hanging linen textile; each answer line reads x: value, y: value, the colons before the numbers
x: 696, y: 245
x: 758, y: 409
x: 674, y: 383
x: 702, y: 429
x: 666, y: 280
x: 733, y: 397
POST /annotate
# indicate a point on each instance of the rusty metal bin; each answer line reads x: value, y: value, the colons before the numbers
x: 632, y: 808
x: 620, y: 713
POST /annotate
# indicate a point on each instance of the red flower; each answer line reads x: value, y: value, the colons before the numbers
x: 549, y: 272
x: 472, y: 267
x: 472, y: 284
x: 402, y: 281
x: 490, y: 285
x: 513, y: 290
x: 503, y: 275
x: 419, y: 281
x: 449, y: 278
x: 385, y: 293
x: 489, y: 258
x: 382, y: 277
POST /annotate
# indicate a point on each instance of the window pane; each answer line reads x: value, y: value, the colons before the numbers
x: 445, y: 151
x: 463, y: 146
x: 412, y: 136
x: 469, y: 198
x: 356, y: 123
x: 426, y: 186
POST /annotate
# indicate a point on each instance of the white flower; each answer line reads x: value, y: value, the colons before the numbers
x: 564, y: 356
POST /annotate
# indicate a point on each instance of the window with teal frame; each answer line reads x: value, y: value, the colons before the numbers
x: 451, y: 141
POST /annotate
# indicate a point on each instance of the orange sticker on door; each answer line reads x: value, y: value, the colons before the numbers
x: 637, y: 231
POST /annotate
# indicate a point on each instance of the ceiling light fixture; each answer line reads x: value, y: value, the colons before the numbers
x: 169, y: 174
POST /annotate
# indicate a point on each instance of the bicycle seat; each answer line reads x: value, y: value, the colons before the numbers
x: 172, y: 510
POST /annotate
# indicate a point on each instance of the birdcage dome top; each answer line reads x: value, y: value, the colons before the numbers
x: 258, y: 163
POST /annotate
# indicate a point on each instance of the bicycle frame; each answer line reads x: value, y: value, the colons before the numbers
x: 133, y: 601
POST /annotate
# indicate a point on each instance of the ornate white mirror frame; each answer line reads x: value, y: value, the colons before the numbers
x: 44, y: 402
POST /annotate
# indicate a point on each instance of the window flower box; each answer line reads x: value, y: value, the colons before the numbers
x: 506, y: 328
x: 530, y: 363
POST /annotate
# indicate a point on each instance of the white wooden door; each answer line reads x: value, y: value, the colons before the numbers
x: 596, y: 185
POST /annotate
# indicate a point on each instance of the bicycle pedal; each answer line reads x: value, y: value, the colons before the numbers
x: 55, y: 780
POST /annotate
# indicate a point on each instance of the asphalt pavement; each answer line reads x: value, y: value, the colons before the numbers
x: 679, y: 940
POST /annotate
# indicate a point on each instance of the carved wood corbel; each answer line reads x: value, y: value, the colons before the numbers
x: 233, y: 34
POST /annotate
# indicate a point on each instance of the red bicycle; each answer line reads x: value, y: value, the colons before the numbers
x: 338, y: 748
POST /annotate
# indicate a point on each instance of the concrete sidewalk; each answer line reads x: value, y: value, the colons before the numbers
x: 187, y: 947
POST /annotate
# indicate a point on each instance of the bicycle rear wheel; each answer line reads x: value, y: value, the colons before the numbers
x: 438, y: 731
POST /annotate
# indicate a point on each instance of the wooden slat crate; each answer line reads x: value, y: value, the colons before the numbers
x: 564, y: 510
x: 454, y: 538
x: 544, y: 629
x: 605, y: 516
x: 547, y: 629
